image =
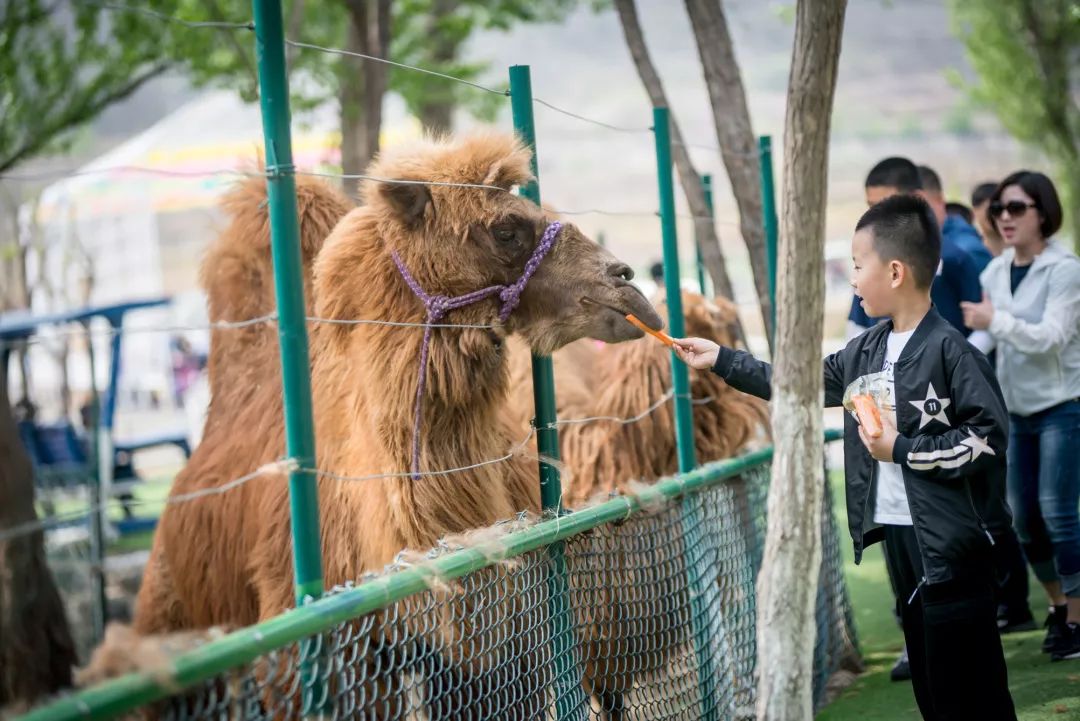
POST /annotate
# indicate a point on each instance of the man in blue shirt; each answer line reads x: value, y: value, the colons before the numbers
x: 957, y: 279
x: 954, y: 229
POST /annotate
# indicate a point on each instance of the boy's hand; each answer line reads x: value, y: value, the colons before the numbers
x: 881, y: 448
x: 697, y: 353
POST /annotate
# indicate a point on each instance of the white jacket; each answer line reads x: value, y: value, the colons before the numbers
x: 1037, y: 331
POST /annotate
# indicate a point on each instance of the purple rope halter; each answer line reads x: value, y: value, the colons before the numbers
x: 437, y: 306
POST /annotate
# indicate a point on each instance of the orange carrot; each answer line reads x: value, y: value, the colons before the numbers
x: 658, y: 334
x: 869, y: 417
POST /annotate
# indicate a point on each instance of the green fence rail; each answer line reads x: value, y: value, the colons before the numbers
x: 467, y: 633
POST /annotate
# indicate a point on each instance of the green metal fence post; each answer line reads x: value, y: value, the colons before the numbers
x: 706, y: 186
x: 547, y: 437
x: 768, y: 210
x: 700, y: 580
x: 101, y: 474
x: 684, y: 429
x: 543, y: 375
x: 289, y: 289
x: 292, y: 327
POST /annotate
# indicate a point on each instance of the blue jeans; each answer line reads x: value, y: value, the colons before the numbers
x: 1044, y: 491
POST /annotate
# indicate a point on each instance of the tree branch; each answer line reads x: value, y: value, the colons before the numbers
x: 241, y: 50
x: 77, y: 114
x: 705, y: 234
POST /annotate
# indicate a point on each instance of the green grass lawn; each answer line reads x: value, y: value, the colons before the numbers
x: 150, y: 496
x: 1042, y: 691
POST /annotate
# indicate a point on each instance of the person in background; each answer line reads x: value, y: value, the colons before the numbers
x: 960, y: 210
x: 955, y: 230
x: 656, y: 272
x: 1032, y: 316
x: 1014, y: 613
x: 957, y: 278
x: 980, y: 203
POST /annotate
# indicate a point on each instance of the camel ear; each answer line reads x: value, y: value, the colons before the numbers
x: 505, y: 173
x: 409, y: 200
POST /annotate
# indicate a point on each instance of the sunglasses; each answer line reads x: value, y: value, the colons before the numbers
x: 1016, y: 208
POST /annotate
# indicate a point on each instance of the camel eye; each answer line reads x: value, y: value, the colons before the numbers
x: 505, y: 234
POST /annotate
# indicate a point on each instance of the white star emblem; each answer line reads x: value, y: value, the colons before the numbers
x: 932, y: 407
x: 977, y: 445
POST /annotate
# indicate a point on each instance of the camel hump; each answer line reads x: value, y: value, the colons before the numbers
x: 319, y: 206
x: 237, y: 270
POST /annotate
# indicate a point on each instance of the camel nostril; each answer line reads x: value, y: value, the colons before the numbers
x: 621, y: 271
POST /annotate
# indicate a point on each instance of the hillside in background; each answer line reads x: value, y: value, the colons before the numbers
x: 893, y: 98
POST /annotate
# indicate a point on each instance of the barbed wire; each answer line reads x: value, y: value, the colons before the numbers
x: 600, y: 123
x: 83, y: 331
x: 50, y: 522
x: 385, y: 61
x: 286, y: 466
x: 250, y: 25
x: 120, y: 169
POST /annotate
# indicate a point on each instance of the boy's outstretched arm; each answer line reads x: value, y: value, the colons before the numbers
x: 978, y: 436
x: 747, y: 374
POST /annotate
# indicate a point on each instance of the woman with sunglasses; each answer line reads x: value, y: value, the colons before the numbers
x: 1031, y: 314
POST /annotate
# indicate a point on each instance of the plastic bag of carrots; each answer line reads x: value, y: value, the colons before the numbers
x: 866, y: 398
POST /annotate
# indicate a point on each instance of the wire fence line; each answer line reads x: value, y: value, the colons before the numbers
x: 300, y: 44
x: 285, y: 466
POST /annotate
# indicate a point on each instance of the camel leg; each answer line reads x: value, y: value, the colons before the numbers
x: 515, y: 691
x: 612, y: 704
x: 158, y: 608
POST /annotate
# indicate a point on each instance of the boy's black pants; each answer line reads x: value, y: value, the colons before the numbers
x: 957, y: 666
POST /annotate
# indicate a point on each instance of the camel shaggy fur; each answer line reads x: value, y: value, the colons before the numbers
x: 622, y: 381
x: 623, y: 593
x: 226, y: 559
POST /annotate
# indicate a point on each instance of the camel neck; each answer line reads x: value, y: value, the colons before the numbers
x: 372, y: 371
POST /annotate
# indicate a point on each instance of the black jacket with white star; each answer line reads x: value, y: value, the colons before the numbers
x: 953, y: 430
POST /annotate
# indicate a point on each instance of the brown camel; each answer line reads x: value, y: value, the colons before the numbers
x: 628, y: 590
x: 238, y: 276
x: 622, y: 381
x: 226, y: 560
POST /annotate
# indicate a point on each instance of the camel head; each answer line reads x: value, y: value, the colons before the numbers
x: 456, y: 240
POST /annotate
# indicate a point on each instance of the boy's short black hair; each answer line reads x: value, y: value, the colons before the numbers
x: 905, y: 229
x: 961, y: 210
x: 895, y: 172
x: 929, y: 179
x: 982, y: 193
x: 1042, y: 191
x: 656, y: 271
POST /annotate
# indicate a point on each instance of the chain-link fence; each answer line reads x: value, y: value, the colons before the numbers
x: 642, y: 609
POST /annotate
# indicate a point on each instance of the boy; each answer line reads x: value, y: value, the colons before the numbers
x: 932, y: 482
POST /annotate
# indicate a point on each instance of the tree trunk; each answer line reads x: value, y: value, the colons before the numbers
x: 704, y: 228
x: 787, y: 585
x: 363, y: 85
x: 738, y: 145
x: 437, y: 108
x: 36, y: 651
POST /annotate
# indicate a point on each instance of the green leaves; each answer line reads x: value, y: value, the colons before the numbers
x: 61, y: 64
x: 1026, y: 54
x: 63, y: 61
